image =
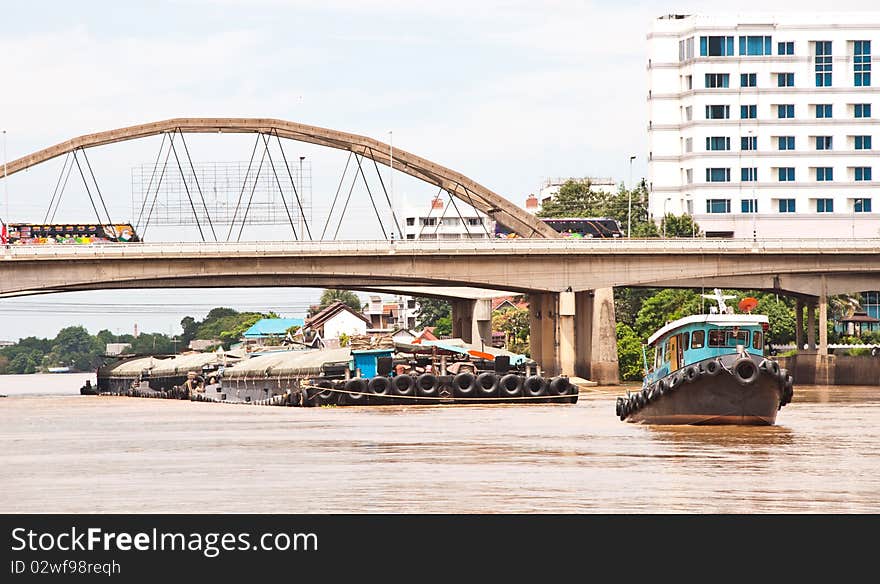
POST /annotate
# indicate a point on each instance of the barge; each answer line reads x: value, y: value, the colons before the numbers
x: 432, y: 372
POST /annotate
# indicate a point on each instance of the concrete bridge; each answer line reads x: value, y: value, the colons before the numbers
x: 569, y: 282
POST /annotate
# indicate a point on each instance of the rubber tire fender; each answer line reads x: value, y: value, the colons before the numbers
x: 692, y: 373
x: 535, y: 386
x: 712, y: 368
x: 487, y: 384
x: 560, y: 386
x: 358, y: 384
x: 379, y: 385
x: 676, y: 380
x: 463, y: 384
x: 426, y: 385
x: 772, y: 367
x: 403, y: 385
x: 511, y: 385
x: 324, y: 397
x: 751, y: 371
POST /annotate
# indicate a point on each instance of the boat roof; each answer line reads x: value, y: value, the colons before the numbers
x: 715, y: 319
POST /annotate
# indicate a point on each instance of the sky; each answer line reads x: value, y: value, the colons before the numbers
x: 507, y: 92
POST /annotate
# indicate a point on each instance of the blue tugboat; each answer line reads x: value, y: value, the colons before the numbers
x: 710, y: 369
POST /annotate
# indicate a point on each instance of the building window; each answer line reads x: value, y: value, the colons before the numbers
x: 786, y: 174
x: 823, y: 63
x: 716, y: 46
x: 862, y: 205
x: 748, y: 112
x: 749, y: 174
x: 410, y: 235
x: 717, y: 175
x: 717, y: 143
x: 748, y: 143
x: 824, y: 174
x: 472, y: 221
x: 863, y: 142
x: 689, y: 113
x: 748, y: 80
x: 862, y: 63
x: 714, y: 80
x: 786, y: 142
x: 755, y: 45
x: 785, y: 79
x: 786, y: 206
x: 785, y: 111
x: 749, y: 205
x: 689, y: 82
x: 410, y: 221
x: 688, y: 144
x: 862, y: 110
x: 717, y: 205
x: 824, y: 205
x: 823, y: 110
x: 428, y: 221
x: 823, y: 142
x: 717, y: 112
x: 785, y: 48
x: 689, y: 175
x: 863, y: 173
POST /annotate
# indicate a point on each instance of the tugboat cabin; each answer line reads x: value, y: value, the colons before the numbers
x: 701, y: 337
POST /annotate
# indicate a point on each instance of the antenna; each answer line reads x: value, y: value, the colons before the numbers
x: 720, y: 298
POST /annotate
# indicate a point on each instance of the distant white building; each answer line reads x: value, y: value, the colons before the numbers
x: 441, y: 219
x: 116, y: 348
x: 765, y: 125
x: 387, y: 315
x: 337, y: 319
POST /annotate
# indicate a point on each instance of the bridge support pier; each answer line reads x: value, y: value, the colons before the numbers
x: 799, y: 324
x: 811, y: 326
x: 573, y: 333
x: 472, y: 320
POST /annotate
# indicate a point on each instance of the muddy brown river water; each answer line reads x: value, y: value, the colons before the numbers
x: 66, y: 453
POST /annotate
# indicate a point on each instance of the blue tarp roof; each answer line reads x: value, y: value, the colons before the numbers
x: 272, y: 326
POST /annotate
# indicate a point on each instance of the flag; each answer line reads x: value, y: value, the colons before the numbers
x: 4, y: 237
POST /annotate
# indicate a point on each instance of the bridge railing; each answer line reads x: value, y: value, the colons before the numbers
x: 464, y: 246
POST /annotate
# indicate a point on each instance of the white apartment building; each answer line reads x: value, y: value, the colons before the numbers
x: 440, y: 219
x: 766, y: 126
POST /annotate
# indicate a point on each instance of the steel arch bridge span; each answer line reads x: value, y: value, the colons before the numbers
x: 456, y: 184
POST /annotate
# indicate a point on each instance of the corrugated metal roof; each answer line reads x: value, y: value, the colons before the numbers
x: 272, y: 326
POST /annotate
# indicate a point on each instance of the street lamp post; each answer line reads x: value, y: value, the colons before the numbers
x: 5, y: 179
x: 630, y: 198
x: 666, y: 200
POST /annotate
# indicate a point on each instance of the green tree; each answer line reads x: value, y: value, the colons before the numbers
x: 679, y: 226
x: 514, y: 323
x: 431, y: 311
x: 329, y: 296
x: 629, y: 354
x: 576, y: 199
x: 74, y: 347
x: 189, y: 326
x: 667, y: 305
x: 443, y: 326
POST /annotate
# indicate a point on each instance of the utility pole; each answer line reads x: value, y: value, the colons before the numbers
x: 391, y: 180
x: 630, y: 205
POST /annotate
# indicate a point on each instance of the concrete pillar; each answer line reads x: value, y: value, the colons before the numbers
x: 823, y: 320
x: 799, y: 324
x: 603, y: 355
x: 567, y: 344
x: 811, y: 326
x: 549, y: 340
x: 462, y: 319
x: 535, y: 339
x: 481, y: 322
x: 583, y: 333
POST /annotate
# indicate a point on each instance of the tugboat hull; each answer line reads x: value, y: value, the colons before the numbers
x: 724, y: 397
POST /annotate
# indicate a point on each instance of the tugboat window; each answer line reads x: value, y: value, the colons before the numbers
x: 757, y: 341
x: 698, y: 339
x: 684, y: 339
x: 716, y: 338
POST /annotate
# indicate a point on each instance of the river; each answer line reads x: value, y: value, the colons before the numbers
x: 67, y: 453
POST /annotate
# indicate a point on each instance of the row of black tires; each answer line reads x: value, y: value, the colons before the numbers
x: 486, y: 385
x: 743, y: 370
